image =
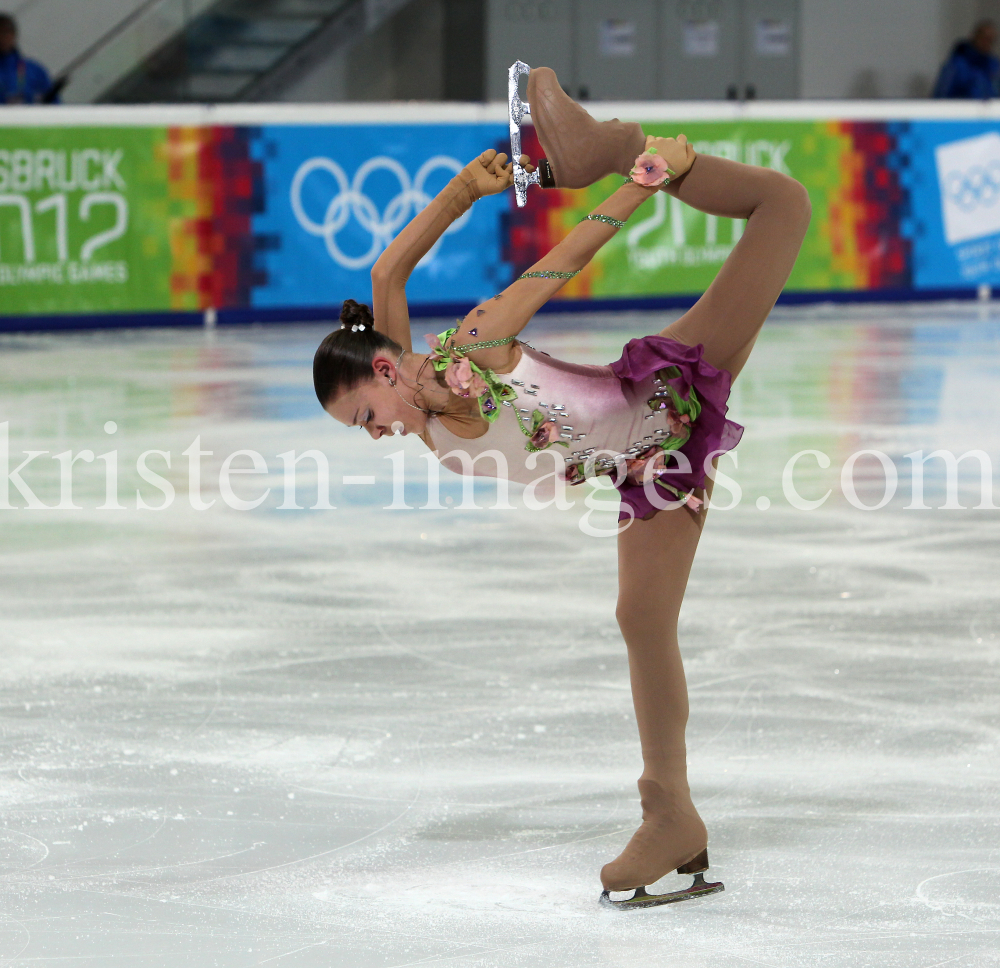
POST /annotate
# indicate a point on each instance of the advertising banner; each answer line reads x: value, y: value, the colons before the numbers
x: 286, y: 217
x: 125, y: 219
x: 81, y: 220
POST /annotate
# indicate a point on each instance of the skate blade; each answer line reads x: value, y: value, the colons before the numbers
x: 640, y: 899
x: 518, y: 110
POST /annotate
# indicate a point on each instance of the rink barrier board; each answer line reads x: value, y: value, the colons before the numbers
x: 330, y: 314
x: 151, y: 215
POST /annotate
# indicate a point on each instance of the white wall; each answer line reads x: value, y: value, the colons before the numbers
x: 400, y: 60
x: 850, y: 48
x: 869, y: 48
x: 881, y: 48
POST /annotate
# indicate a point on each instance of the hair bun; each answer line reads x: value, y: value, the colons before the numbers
x: 356, y: 317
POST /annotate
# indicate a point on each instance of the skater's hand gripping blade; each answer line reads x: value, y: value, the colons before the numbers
x: 640, y: 899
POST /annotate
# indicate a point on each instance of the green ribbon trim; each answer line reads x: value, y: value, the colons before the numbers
x: 690, y: 407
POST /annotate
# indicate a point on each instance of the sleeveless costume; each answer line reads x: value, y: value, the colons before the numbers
x: 659, y: 397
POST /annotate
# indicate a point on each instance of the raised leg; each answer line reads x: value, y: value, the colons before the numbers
x: 654, y: 561
x: 729, y: 316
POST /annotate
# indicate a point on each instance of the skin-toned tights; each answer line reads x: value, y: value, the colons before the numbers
x: 655, y: 556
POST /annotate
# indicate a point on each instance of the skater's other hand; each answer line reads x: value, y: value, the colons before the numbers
x: 677, y: 153
x: 492, y: 172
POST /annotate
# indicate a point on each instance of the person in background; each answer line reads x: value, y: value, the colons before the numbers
x: 972, y: 71
x: 22, y: 81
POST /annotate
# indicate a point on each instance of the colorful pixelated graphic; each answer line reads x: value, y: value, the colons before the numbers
x: 215, y: 189
x: 854, y: 241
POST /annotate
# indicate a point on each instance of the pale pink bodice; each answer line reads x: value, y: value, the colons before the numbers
x: 588, y: 402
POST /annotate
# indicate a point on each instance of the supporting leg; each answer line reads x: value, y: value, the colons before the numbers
x: 654, y: 561
x: 655, y: 556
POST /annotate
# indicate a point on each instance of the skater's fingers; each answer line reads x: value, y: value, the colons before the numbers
x: 682, y: 139
x: 499, y: 162
x: 487, y: 156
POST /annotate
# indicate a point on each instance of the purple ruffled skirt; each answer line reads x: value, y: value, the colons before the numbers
x: 710, y: 432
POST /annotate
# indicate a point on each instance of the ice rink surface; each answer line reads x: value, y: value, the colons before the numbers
x: 369, y: 738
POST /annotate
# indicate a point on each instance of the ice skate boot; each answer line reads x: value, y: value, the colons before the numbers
x: 699, y: 888
x: 670, y: 827
x: 579, y: 150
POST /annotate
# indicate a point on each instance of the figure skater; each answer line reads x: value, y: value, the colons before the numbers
x: 655, y: 419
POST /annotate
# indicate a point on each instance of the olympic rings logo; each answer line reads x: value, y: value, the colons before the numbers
x: 350, y: 202
x: 978, y: 186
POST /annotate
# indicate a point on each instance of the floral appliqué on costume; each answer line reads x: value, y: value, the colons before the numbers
x: 651, y: 169
x: 542, y: 432
x: 465, y: 378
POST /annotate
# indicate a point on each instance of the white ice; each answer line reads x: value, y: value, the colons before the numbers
x: 365, y: 738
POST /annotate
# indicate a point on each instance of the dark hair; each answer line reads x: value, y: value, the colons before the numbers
x: 7, y: 23
x: 344, y: 358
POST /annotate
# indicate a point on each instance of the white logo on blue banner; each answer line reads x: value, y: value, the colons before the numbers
x: 351, y: 202
x: 969, y: 177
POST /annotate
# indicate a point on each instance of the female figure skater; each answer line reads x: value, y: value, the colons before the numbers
x: 662, y: 404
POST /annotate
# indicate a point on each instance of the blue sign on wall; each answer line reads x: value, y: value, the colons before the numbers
x: 952, y: 172
x: 337, y: 196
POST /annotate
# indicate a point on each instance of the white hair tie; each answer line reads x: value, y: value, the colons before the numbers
x: 356, y: 327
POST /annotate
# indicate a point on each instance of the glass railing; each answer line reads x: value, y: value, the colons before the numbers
x: 195, y: 50
x: 134, y: 40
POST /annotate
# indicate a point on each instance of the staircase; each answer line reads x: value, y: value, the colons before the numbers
x: 236, y: 50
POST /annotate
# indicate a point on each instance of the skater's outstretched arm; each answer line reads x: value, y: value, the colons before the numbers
x: 524, y: 297
x: 728, y: 317
x: 509, y: 312
x: 486, y: 175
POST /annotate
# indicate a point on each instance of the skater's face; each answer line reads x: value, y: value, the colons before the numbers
x: 375, y: 405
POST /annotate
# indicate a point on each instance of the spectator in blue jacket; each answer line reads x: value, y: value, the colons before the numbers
x: 972, y: 71
x: 22, y: 81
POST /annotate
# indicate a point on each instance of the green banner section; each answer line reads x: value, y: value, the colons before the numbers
x: 83, y: 220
